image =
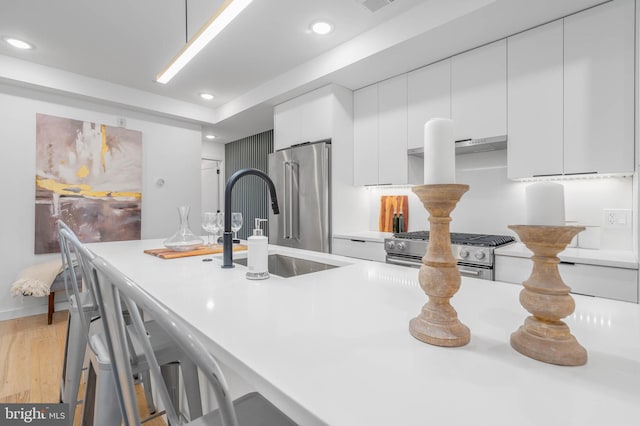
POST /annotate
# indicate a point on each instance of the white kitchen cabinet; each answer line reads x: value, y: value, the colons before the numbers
x: 571, y: 95
x: 479, y: 92
x: 592, y: 280
x: 429, y: 96
x: 380, y: 133
x: 392, y: 131
x: 365, y: 136
x: 306, y: 118
x: 599, y: 89
x: 285, y: 130
x: 535, y: 102
x: 360, y: 249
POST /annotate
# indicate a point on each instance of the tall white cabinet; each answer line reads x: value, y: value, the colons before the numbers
x: 380, y: 133
x: 571, y: 94
x: 479, y: 92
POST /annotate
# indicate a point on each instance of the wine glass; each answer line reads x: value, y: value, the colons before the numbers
x: 220, y: 221
x: 209, y: 224
x: 236, y: 223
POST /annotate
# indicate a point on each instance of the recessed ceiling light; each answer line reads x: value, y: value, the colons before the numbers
x: 210, y: 136
x: 18, y: 44
x: 321, y: 27
x: 206, y: 96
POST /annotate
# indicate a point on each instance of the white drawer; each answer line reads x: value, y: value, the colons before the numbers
x: 361, y: 249
x: 592, y: 280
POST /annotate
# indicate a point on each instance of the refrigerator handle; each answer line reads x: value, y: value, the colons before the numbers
x: 294, y: 200
x: 285, y: 204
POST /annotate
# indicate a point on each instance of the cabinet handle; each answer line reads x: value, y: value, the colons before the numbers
x: 358, y: 241
x: 562, y: 262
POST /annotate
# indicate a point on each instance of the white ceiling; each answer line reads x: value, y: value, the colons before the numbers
x: 264, y: 57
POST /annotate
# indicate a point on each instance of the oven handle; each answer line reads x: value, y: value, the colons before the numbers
x: 395, y: 261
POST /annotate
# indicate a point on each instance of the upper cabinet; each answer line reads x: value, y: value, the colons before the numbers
x: 429, y: 96
x: 380, y: 133
x: 306, y: 118
x: 599, y: 89
x: 365, y: 136
x: 535, y: 102
x: 479, y: 92
x: 571, y: 94
x: 392, y: 130
x: 568, y: 87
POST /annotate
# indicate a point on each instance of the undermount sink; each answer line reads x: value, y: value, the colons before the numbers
x: 287, y: 266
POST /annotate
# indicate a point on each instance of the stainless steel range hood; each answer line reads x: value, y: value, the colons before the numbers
x: 468, y: 146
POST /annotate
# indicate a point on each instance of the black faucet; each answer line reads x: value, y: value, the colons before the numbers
x: 227, y: 237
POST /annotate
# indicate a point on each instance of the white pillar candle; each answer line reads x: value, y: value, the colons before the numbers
x: 439, y: 152
x: 545, y: 204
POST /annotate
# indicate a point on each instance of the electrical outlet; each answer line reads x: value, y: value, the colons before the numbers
x: 617, y: 218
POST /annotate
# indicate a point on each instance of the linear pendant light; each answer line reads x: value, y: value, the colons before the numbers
x: 229, y: 10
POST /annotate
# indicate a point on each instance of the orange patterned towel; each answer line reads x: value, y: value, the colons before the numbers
x: 390, y: 204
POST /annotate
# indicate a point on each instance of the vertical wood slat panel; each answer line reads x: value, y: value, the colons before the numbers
x: 250, y: 195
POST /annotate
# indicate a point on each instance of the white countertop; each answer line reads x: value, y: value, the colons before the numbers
x: 614, y: 258
x: 334, y: 348
x: 374, y: 236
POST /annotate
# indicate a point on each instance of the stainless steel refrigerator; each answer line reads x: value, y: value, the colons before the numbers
x: 302, y: 177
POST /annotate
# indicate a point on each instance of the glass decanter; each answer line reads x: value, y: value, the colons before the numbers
x: 183, y: 239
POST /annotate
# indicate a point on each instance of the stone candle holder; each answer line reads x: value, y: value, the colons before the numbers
x: 439, y: 277
x: 544, y: 336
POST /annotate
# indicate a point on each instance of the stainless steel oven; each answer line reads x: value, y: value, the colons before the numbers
x: 473, y: 252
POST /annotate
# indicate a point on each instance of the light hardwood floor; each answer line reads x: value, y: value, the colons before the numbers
x: 31, y: 354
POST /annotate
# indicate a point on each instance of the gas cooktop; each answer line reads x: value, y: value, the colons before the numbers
x: 481, y: 240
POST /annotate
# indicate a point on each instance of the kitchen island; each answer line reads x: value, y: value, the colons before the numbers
x: 333, y: 347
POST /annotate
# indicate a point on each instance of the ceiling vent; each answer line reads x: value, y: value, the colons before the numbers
x: 374, y: 5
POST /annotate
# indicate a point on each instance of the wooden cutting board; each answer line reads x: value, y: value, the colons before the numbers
x: 165, y: 253
x: 390, y: 204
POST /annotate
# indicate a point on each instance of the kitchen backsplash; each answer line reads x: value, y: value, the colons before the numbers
x: 493, y: 202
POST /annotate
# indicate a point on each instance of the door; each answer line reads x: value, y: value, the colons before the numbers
x: 535, y: 102
x: 479, y: 92
x: 392, y: 131
x: 365, y: 136
x: 599, y: 89
x: 210, y: 182
x: 429, y: 96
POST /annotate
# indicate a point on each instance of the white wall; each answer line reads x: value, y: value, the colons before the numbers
x: 213, y: 150
x: 493, y: 202
x: 171, y: 151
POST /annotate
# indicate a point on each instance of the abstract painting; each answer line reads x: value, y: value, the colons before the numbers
x: 90, y: 176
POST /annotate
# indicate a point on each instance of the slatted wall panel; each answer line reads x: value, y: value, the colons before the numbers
x: 250, y: 195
